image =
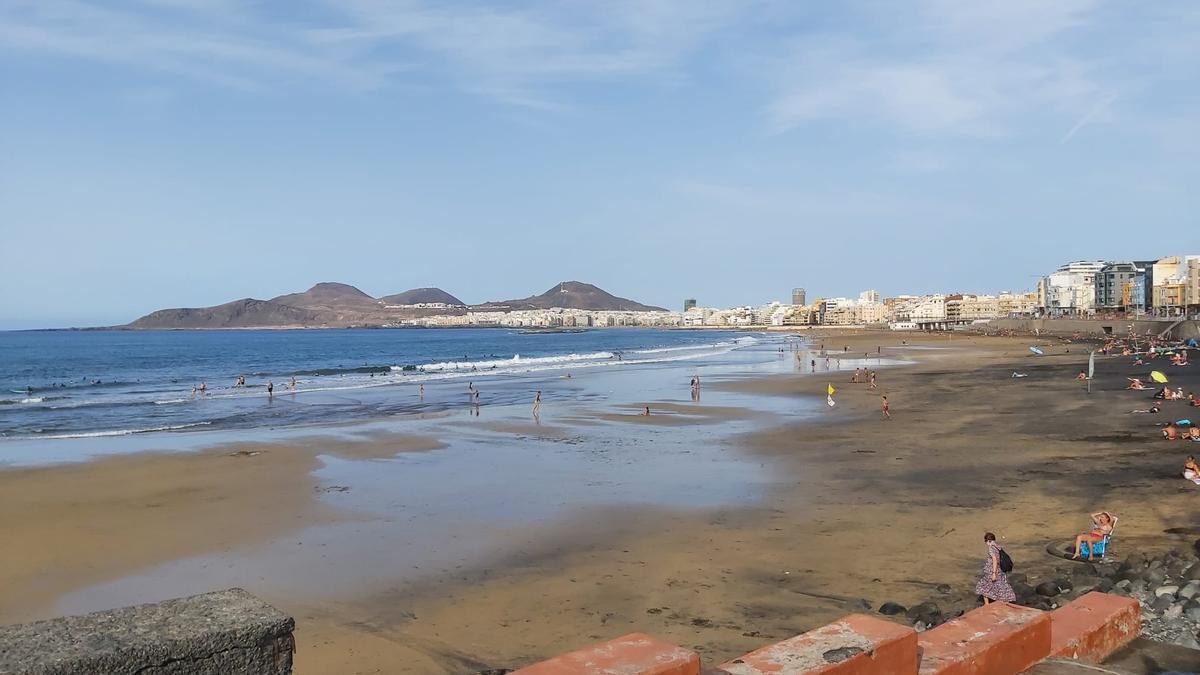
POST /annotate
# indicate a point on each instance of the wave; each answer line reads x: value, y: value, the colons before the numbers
x: 127, y: 432
x: 365, y: 370
x: 514, y: 361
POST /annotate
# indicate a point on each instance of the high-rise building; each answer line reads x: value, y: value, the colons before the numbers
x: 798, y: 296
x: 689, y: 303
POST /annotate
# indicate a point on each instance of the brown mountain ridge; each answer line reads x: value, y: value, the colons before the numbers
x: 331, y: 304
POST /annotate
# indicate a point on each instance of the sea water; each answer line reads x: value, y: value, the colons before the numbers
x: 71, y: 384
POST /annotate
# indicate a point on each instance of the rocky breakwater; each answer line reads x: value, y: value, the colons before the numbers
x: 1166, y: 585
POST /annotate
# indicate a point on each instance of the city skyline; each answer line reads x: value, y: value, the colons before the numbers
x: 175, y: 153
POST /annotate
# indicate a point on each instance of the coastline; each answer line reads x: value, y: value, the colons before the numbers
x: 851, y: 507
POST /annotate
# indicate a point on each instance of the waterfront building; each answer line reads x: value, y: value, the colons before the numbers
x: 689, y: 303
x: 1115, y: 286
x: 798, y: 297
x: 1071, y: 289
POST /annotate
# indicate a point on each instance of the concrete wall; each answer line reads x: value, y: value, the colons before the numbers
x: 223, y: 633
x: 1185, y: 330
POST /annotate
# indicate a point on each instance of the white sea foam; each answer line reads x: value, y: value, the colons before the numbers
x: 127, y: 432
x: 515, y: 360
x: 37, y: 399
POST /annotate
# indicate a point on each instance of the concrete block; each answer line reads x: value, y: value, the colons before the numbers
x: 224, y: 633
x: 633, y: 654
x: 996, y: 639
x: 1094, y: 626
x: 854, y: 645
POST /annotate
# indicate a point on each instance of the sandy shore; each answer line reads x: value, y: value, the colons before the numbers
x: 857, y: 508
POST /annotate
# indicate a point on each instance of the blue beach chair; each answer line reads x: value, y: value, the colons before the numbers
x: 1094, y: 550
x: 1089, y: 549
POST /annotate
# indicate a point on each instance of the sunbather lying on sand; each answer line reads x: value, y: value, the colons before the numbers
x: 1191, y: 471
x: 1169, y: 432
x: 1135, y: 384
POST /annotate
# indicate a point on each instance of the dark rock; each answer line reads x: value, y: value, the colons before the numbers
x: 927, y: 612
x: 1064, y: 584
x: 1154, y: 575
x: 1106, y: 571
x: 1162, y: 602
x: 1135, y: 560
x: 892, y: 609
x: 944, y: 589
x: 1192, y: 573
x: 495, y: 671
x: 1043, y: 605
x: 841, y: 654
x: 1105, y: 585
x: 859, y: 605
x: 1048, y: 589
x: 1018, y: 578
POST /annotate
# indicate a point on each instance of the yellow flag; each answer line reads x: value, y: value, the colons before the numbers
x: 829, y: 389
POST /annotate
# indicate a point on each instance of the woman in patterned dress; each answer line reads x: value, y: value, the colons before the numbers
x: 993, y: 583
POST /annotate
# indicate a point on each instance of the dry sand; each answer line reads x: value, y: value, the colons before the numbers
x: 859, y: 508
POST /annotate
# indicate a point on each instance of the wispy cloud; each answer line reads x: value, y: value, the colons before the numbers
x: 951, y: 67
x: 504, y: 52
x: 1087, y: 117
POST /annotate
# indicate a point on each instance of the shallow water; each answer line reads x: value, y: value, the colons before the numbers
x: 502, y: 482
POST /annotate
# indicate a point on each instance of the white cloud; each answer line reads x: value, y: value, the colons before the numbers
x: 953, y: 68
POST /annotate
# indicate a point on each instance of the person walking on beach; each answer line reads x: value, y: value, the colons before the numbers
x: 270, y: 389
x: 813, y: 365
x: 993, y: 581
x: 421, y: 392
x: 871, y: 379
x: 537, y: 402
x: 886, y: 409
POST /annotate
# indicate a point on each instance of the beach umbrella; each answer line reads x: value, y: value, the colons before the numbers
x: 1091, y: 364
x: 1035, y: 350
x: 1158, y: 377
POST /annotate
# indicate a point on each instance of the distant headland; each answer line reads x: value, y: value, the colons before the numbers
x: 337, y: 305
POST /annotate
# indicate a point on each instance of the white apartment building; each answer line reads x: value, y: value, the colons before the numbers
x: 1071, y: 288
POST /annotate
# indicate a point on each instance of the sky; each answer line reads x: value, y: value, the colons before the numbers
x: 167, y: 153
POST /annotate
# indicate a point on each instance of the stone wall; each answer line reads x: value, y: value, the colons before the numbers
x: 227, y: 632
x: 1096, y: 327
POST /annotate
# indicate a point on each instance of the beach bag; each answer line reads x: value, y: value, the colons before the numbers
x: 1006, y: 563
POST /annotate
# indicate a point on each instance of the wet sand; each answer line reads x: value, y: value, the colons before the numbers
x: 857, y: 507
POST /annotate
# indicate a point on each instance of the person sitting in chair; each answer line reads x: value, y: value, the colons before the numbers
x: 1102, y: 525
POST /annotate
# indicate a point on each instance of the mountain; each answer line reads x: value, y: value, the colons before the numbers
x: 328, y: 295
x: 245, y: 313
x: 331, y: 304
x: 421, y: 296
x: 571, y: 295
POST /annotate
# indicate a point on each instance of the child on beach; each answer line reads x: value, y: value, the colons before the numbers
x: 887, y: 415
x: 993, y: 582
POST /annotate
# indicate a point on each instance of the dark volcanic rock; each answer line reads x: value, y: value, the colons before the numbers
x: 927, y: 612
x: 892, y: 609
x: 1048, y: 589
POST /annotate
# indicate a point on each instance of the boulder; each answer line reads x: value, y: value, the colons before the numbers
x: 1104, y: 586
x: 1192, y: 613
x: 892, y: 609
x: 1174, y: 611
x: 1135, y: 560
x: 1162, y: 602
x: 1122, y: 584
x: 1154, y: 575
x: 927, y: 612
x: 1189, y: 590
x: 1048, y: 589
x: 1192, y: 573
x: 1064, y: 584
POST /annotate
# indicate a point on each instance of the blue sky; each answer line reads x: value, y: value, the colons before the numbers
x: 162, y: 153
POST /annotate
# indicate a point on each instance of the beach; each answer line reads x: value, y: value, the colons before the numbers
x: 451, y: 544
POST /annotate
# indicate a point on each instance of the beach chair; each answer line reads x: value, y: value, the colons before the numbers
x: 1094, y: 550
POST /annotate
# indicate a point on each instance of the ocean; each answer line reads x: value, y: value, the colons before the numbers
x: 75, y: 384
